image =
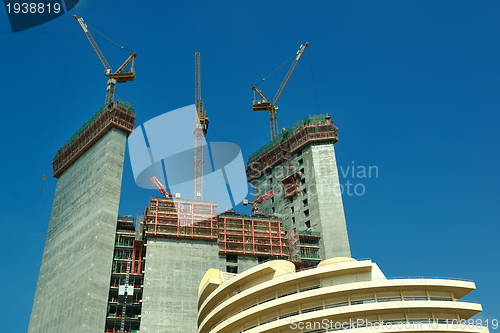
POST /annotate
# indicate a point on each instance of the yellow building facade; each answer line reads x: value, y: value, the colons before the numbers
x: 341, y: 293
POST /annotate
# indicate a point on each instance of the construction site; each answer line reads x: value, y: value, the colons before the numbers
x: 102, y: 272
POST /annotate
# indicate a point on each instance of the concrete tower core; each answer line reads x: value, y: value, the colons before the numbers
x: 73, y: 283
x: 299, y: 165
x: 179, y: 253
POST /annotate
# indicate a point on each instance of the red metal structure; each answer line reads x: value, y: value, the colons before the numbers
x: 161, y: 187
x: 137, y: 257
x: 252, y: 235
x: 127, y: 277
x: 119, y: 115
x: 261, y: 199
x: 235, y: 234
x: 165, y: 217
x: 308, y: 131
x: 290, y: 183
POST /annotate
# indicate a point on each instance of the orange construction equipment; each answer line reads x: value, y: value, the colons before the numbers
x: 200, y: 131
x: 261, y: 199
x: 265, y: 104
x: 120, y: 75
x: 162, y: 189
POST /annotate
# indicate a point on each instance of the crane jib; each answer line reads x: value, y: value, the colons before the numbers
x: 265, y: 105
x: 121, y: 75
x: 83, y: 25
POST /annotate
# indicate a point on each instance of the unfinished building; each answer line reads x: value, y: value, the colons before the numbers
x: 127, y: 278
x: 158, y: 263
x: 104, y: 273
x: 185, y: 238
x: 299, y: 165
x: 73, y: 283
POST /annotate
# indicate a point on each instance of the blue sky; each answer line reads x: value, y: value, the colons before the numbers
x: 412, y: 85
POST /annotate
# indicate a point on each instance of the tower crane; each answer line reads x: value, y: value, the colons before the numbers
x: 120, y: 75
x: 200, y: 131
x: 261, y: 199
x: 265, y: 105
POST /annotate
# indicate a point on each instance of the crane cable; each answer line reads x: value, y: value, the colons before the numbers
x: 264, y: 79
x: 314, y: 84
x: 58, y: 108
x: 110, y: 39
x: 41, y: 190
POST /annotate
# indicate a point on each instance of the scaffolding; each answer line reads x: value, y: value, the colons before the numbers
x: 120, y: 115
x: 252, y: 235
x: 291, y: 177
x: 308, y: 244
x: 309, y: 130
x: 168, y: 217
x: 293, y: 240
x: 127, y: 278
x: 235, y: 234
x: 128, y: 247
x: 138, y: 246
x: 290, y: 184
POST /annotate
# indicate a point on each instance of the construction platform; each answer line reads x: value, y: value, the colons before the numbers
x: 307, y: 131
x: 198, y: 220
x: 118, y: 114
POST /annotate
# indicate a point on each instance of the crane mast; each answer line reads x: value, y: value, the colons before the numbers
x: 265, y: 105
x: 120, y: 75
x: 200, y: 131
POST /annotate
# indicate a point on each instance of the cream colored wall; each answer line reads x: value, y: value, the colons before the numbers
x: 345, y: 289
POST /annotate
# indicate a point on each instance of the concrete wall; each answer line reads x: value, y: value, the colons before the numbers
x: 326, y: 202
x: 173, y: 272
x: 73, y: 284
x: 324, y: 211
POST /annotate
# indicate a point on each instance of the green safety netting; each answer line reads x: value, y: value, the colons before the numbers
x: 312, y: 256
x: 289, y: 131
x: 307, y: 232
x: 123, y: 104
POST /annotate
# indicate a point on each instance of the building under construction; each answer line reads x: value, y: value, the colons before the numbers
x: 184, y: 237
x: 101, y: 272
x: 299, y: 165
x: 75, y: 274
x: 104, y: 273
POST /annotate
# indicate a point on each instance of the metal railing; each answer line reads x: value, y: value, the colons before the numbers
x: 427, y: 278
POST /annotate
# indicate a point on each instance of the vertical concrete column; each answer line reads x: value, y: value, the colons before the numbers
x: 173, y: 271
x: 326, y: 195
x: 73, y: 284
